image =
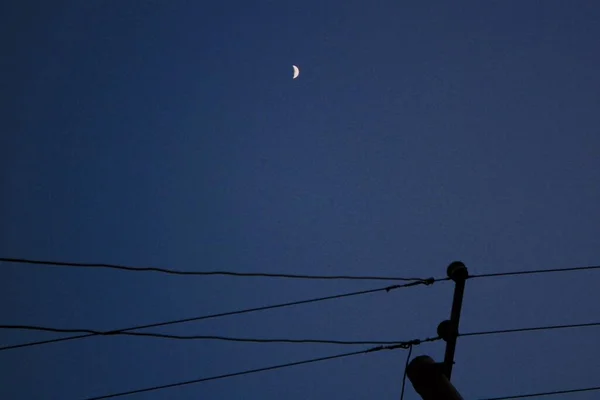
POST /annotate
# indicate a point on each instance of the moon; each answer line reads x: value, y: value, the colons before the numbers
x: 296, y: 71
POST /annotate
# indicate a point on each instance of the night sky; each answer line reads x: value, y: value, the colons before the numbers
x: 171, y: 134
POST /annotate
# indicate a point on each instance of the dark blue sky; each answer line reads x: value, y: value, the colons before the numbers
x: 171, y: 133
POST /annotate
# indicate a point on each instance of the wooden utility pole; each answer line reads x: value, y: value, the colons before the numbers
x: 430, y: 379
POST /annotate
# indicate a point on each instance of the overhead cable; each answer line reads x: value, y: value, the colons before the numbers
x: 405, y: 372
x: 203, y: 337
x: 279, y: 275
x: 212, y: 273
x: 536, y: 271
x: 523, y: 396
x: 90, y: 332
x: 537, y: 328
x: 264, y: 369
x: 223, y: 314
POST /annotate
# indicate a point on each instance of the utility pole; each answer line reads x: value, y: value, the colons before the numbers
x: 430, y: 379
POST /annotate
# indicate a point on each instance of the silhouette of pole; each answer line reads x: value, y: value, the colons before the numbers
x: 431, y: 380
x: 448, y: 330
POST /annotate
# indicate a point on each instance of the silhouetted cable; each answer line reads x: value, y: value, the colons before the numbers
x: 279, y: 275
x: 253, y: 371
x: 224, y: 314
x: 405, y: 370
x: 216, y: 377
x: 209, y: 273
x: 41, y: 342
x: 523, y: 396
x: 202, y: 337
x: 537, y: 328
x: 538, y: 271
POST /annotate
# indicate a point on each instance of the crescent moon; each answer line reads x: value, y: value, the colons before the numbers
x: 296, y: 71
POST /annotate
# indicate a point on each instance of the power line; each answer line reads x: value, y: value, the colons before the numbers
x: 522, y: 396
x: 405, y: 370
x: 203, y: 337
x: 224, y: 314
x: 538, y: 271
x: 230, y: 375
x: 403, y: 345
x: 537, y: 328
x: 279, y: 275
x: 90, y: 332
x: 270, y: 368
x: 212, y: 273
